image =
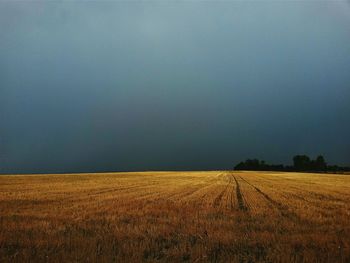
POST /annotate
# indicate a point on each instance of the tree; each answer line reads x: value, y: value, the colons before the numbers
x: 302, y: 163
x: 320, y: 163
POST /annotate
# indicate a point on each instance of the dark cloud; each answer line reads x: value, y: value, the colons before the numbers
x: 93, y: 86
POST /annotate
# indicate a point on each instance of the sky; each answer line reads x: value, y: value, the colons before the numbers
x: 172, y: 85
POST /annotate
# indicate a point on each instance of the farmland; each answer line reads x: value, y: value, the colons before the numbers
x: 216, y: 216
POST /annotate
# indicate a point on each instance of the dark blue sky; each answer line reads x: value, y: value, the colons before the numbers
x: 88, y: 86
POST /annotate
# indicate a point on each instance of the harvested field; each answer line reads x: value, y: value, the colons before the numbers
x: 218, y: 216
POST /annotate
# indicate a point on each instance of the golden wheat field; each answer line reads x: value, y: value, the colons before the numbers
x: 217, y: 216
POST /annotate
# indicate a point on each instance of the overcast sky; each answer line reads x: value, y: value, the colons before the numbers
x: 91, y: 86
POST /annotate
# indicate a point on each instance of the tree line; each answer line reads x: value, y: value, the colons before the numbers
x: 301, y: 163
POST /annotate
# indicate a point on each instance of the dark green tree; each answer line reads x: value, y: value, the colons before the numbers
x: 302, y: 163
x: 320, y: 163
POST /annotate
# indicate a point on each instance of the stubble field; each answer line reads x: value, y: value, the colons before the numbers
x: 218, y: 216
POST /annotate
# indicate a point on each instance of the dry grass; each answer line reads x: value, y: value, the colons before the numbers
x: 218, y: 216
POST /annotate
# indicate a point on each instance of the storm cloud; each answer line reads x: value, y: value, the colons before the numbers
x: 88, y: 86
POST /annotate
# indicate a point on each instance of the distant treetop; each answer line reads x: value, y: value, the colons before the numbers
x: 301, y: 163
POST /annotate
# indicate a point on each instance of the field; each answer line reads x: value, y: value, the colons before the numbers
x: 218, y: 216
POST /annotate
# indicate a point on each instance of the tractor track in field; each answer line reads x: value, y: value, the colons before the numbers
x: 240, y: 199
x: 183, y: 195
x: 283, y: 209
x: 226, y: 198
x: 221, y: 200
x: 218, y: 199
x: 230, y: 198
